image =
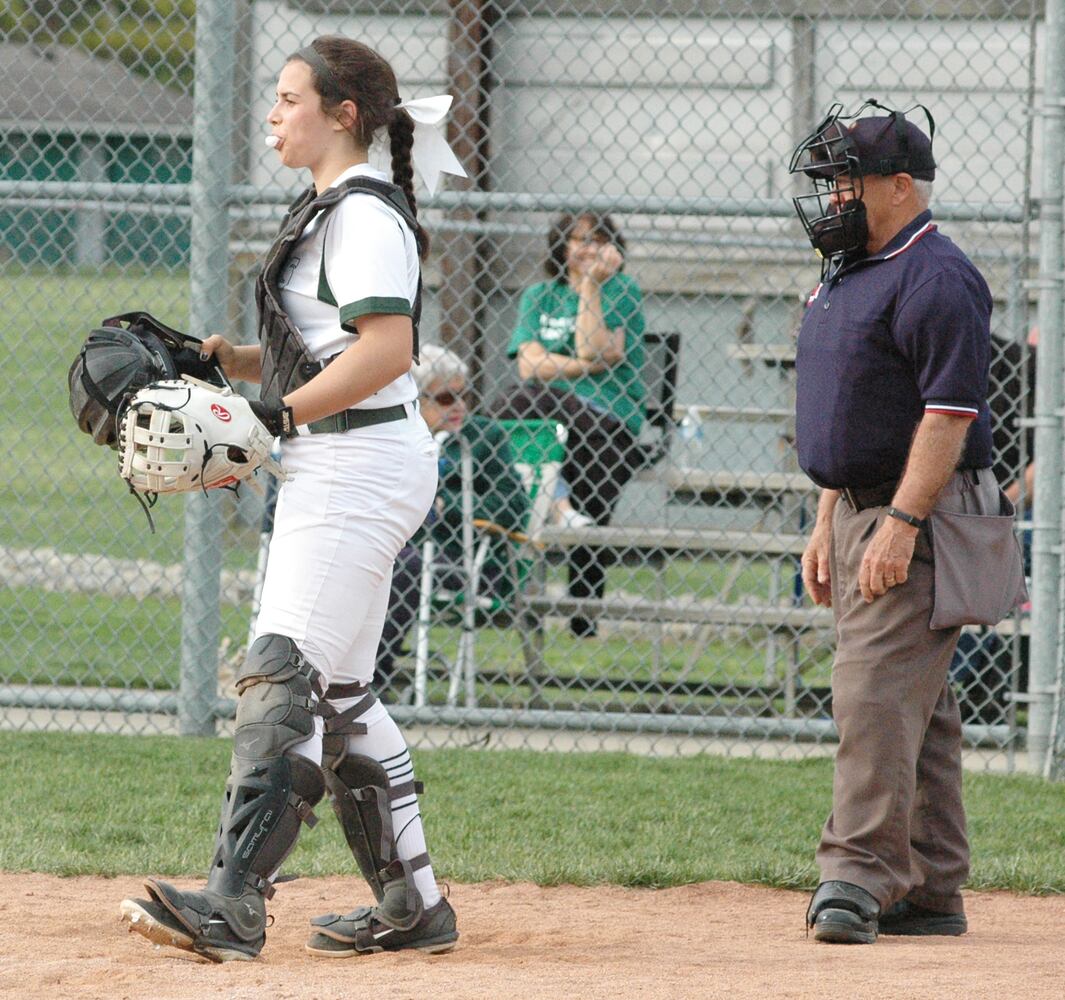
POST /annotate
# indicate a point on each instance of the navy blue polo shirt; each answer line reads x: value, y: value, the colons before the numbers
x: 884, y: 340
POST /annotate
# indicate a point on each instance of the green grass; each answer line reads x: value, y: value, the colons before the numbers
x: 67, y: 494
x: 623, y: 659
x: 93, y: 639
x: 703, y: 578
x: 81, y: 804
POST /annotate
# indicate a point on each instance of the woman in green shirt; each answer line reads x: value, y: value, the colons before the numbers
x: 579, y: 349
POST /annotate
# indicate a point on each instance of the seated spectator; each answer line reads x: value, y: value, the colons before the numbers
x: 498, y: 496
x: 579, y: 349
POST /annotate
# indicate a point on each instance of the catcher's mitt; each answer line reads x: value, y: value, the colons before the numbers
x: 181, y: 435
x: 122, y: 355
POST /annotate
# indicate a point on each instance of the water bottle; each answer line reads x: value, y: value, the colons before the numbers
x: 690, y: 434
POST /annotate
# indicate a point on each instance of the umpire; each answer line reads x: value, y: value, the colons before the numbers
x: 892, y: 422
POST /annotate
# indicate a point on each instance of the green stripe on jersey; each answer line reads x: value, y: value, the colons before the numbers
x: 325, y: 293
x: 374, y: 304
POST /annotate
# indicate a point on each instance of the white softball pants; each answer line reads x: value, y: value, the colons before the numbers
x: 353, y: 502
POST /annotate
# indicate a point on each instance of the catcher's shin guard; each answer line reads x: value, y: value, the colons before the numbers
x: 362, y: 797
x: 362, y: 800
x: 361, y: 792
x: 268, y: 794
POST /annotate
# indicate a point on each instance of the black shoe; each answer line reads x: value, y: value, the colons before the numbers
x: 908, y: 918
x: 842, y: 913
x: 363, y: 932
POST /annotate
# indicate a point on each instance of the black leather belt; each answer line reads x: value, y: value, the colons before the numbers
x: 347, y: 420
x: 869, y: 496
x: 882, y: 495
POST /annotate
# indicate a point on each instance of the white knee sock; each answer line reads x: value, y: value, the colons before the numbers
x: 384, y: 743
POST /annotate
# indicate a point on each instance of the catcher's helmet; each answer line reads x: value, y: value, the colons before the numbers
x: 123, y: 355
x: 112, y: 365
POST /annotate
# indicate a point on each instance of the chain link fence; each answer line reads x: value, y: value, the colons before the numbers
x: 616, y: 568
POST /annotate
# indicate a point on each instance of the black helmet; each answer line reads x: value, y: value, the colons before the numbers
x: 112, y: 365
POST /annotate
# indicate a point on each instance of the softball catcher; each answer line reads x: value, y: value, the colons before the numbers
x: 339, y: 299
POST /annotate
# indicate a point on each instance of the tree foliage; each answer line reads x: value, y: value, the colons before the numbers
x: 154, y: 38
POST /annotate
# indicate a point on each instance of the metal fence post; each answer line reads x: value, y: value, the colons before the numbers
x: 469, y: 70
x: 1046, y: 527
x: 211, y: 175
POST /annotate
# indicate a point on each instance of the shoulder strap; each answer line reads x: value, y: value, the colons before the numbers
x: 393, y: 196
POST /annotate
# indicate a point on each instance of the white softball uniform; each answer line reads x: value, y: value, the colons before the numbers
x: 353, y: 502
x: 363, y: 259
x: 357, y: 497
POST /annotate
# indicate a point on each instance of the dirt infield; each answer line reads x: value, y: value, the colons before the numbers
x: 61, y: 938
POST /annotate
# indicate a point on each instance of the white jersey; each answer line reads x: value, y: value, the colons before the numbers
x: 365, y: 261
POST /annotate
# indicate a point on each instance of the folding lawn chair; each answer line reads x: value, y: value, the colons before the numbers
x: 538, y: 449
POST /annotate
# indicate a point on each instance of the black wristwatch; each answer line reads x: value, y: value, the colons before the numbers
x: 903, y: 516
x: 276, y: 419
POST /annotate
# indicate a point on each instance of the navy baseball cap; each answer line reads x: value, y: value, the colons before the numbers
x: 878, y: 144
x: 892, y: 145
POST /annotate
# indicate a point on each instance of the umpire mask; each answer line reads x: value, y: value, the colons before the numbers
x: 834, y: 215
x: 837, y: 155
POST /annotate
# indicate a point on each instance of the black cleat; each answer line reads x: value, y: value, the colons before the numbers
x: 398, y: 922
x: 211, y: 925
x: 359, y: 932
x: 842, y: 913
x: 910, y: 919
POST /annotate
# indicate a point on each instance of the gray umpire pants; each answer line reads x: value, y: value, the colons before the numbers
x: 897, y: 826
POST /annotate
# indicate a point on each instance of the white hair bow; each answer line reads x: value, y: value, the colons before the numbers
x: 431, y: 154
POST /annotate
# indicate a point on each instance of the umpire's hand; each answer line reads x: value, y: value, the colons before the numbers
x: 816, y: 574
x: 886, y: 562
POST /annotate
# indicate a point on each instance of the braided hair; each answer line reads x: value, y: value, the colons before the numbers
x: 401, y: 137
x: 345, y: 70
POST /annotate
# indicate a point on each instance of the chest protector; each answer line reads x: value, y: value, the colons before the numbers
x: 286, y: 362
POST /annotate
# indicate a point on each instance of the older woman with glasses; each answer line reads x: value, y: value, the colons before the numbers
x: 498, y: 496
